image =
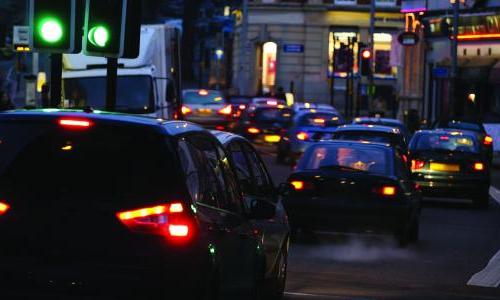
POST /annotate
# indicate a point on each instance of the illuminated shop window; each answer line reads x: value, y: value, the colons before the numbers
x: 269, y: 53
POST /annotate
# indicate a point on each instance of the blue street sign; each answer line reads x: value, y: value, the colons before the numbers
x: 293, y: 48
x: 441, y: 72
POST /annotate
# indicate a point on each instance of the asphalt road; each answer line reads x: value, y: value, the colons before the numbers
x: 457, y: 242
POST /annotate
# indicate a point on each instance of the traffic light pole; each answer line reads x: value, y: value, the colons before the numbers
x: 112, y: 76
x: 454, y: 59
x: 372, y: 44
x: 55, y: 79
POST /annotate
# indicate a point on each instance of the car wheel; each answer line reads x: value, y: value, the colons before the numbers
x: 276, y: 286
x: 483, y: 200
x: 415, y: 231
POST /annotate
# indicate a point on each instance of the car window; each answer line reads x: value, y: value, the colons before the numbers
x: 190, y: 171
x: 116, y: 165
x: 320, y: 120
x: 356, y: 158
x: 447, y: 142
x: 242, y: 167
x: 202, y: 97
x: 210, y: 176
x: 263, y: 183
x: 462, y: 125
x: 232, y: 200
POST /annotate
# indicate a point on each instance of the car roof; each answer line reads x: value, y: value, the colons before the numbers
x: 377, y: 120
x: 447, y: 131
x: 226, y: 137
x: 356, y: 143
x: 370, y: 128
x: 172, y: 128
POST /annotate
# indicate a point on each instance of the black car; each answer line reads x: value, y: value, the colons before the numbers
x: 372, y: 133
x: 344, y: 185
x: 449, y: 163
x: 112, y: 206
x: 264, y: 123
x: 470, y: 125
x: 258, y: 188
x: 394, y: 123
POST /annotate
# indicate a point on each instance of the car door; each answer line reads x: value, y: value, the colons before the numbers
x: 237, y: 246
x: 274, y: 231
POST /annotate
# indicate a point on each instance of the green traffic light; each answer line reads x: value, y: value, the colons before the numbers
x: 99, y: 36
x: 51, y: 30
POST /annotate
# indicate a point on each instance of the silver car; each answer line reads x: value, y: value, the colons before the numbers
x: 207, y: 108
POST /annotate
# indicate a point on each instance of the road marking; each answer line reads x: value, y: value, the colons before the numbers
x: 489, y: 276
x: 495, y: 194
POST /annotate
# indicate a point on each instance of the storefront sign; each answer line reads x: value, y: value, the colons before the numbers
x: 293, y: 48
x: 408, y: 38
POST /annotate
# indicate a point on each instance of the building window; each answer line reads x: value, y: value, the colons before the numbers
x: 345, y: 2
x: 269, y: 54
x: 339, y: 53
x: 382, y: 49
x: 385, y: 3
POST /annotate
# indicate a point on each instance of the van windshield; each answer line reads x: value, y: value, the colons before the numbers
x: 134, y: 94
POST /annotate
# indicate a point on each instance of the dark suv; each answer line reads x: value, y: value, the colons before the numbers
x: 115, y: 206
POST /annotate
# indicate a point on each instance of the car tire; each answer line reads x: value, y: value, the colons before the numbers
x: 276, y: 285
x: 483, y: 200
x: 415, y: 231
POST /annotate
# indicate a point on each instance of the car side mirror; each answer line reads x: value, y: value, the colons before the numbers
x: 262, y: 210
x: 284, y: 189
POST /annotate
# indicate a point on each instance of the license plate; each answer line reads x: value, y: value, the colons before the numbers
x: 445, y: 167
x: 272, y: 138
x: 205, y: 111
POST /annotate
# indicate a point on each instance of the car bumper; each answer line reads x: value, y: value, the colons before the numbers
x: 323, y: 214
x: 463, y: 187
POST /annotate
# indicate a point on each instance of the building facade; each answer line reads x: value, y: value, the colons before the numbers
x: 308, y: 46
x: 477, y: 84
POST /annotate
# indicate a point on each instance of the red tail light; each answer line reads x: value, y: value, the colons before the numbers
x: 386, y: 191
x: 227, y: 110
x: 299, y: 185
x: 479, y: 166
x: 4, y: 207
x: 302, y: 136
x: 186, y: 110
x: 253, y: 130
x: 488, y: 140
x: 75, y: 123
x: 417, y: 164
x: 167, y: 220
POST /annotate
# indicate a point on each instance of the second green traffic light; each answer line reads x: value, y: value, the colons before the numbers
x: 99, y: 36
x: 51, y: 30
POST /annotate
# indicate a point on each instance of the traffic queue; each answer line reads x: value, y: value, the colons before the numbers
x: 136, y: 205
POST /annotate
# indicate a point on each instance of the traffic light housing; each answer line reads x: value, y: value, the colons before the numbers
x: 55, y: 26
x: 112, y: 28
x: 365, y: 62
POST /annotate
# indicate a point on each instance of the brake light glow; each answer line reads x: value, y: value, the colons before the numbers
x: 74, y: 123
x: 227, y: 110
x: 297, y: 185
x: 319, y: 121
x: 4, y: 207
x: 488, y: 140
x: 417, y: 164
x: 186, y: 110
x: 444, y: 138
x: 478, y: 166
x: 253, y: 130
x: 272, y: 102
x: 178, y: 230
x: 389, y: 190
x: 302, y: 136
x: 203, y: 92
x: 166, y: 220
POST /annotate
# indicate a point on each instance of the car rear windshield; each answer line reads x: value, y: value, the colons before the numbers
x: 447, y: 142
x: 202, y: 97
x: 461, y: 125
x: 109, y: 164
x: 355, y: 158
x: 402, y: 128
x: 377, y: 137
x: 272, y: 115
x: 320, y: 120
